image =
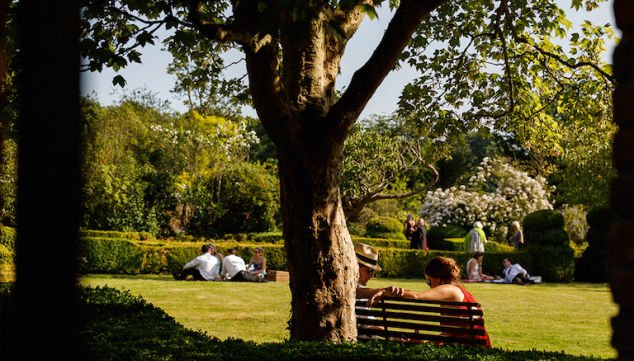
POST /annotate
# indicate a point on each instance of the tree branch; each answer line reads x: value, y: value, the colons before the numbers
x: 367, y: 79
x: 225, y: 32
x: 415, y: 191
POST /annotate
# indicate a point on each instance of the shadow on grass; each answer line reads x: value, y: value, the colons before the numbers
x: 120, y: 326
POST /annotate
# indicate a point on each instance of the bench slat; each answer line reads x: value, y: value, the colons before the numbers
x: 379, y: 314
x: 420, y: 336
x: 444, y: 310
x: 468, y: 331
x: 442, y: 303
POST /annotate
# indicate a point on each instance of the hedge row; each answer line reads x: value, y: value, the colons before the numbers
x: 124, y: 256
x: 110, y: 333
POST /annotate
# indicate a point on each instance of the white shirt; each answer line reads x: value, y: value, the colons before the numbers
x: 231, y: 265
x: 512, y: 272
x: 207, y: 265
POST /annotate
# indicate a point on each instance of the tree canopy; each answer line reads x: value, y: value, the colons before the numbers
x: 497, y: 64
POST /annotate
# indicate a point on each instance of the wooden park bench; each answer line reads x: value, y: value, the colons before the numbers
x: 405, y: 320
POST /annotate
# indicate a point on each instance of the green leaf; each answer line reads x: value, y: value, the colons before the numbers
x: 118, y: 80
x: 370, y: 10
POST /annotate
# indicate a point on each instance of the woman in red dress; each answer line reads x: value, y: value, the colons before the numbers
x: 441, y: 274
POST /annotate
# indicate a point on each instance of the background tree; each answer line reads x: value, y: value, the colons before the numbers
x: 292, y: 52
x: 377, y: 153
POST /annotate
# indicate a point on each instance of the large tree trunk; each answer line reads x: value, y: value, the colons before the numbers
x: 294, y: 96
x: 321, y: 259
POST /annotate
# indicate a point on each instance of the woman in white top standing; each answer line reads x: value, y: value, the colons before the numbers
x: 474, y: 268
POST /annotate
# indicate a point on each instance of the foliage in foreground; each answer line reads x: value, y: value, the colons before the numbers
x: 118, y: 325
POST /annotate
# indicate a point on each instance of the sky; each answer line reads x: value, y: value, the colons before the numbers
x: 152, y: 73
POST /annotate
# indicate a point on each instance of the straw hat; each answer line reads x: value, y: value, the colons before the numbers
x: 367, y: 256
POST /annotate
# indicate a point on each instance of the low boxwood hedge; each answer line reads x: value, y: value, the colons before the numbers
x: 399, y: 263
x: 125, y: 256
x: 381, y: 242
x: 117, y: 325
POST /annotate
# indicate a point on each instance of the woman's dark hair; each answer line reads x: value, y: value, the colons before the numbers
x: 477, y: 254
x: 443, y: 268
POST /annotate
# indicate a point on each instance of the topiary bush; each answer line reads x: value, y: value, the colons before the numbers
x: 593, y: 265
x: 545, y: 237
x: 384, y: 227
x: 436, y: 236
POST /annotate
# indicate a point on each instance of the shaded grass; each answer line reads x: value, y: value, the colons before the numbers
x: 573, y: 318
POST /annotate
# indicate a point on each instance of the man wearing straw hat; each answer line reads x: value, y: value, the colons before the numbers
x: 368, y: 257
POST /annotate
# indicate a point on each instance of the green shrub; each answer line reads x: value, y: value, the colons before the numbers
x: 545, y: 236
x: 249, y: 202
x: 117, y: 325
x: 8, y: 236
x: 450, y: 244
x: 436, y: 235
x: 356, y: 229
x: 600, y: 217
x: 6, y: 256
x: 384, y: 227
x: 115, y: 234
x: 124, y: 256
x: 381, y: 242
x: 593, y: 264
x: 492, y: 246
x: 109, y: 255
x: 537, y: 222
x: 266, y: 237
x: 405, y: 263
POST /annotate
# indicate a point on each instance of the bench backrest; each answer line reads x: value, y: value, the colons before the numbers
x: 418, y: 320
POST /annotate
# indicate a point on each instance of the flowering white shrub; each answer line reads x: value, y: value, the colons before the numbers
x: 207, y: 146
x: 496, y: 195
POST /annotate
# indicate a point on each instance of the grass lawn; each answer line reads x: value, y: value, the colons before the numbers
x: 573, y: 318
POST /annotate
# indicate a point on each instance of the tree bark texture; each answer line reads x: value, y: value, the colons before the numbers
x: 621, y: 259
x: 292, y: 81
x: 45, y: 300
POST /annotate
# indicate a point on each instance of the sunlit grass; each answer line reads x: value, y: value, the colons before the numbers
x: 574, y: 318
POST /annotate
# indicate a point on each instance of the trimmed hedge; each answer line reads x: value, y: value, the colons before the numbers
x: 381, y: 242
x: 436, y: 236
x: 125, y: 256
x: 400, y: 263
x: 117, y: 325
x: 384, y: 227
x: 139, y: 236
x: 593, y: 264
x: 544, y: 236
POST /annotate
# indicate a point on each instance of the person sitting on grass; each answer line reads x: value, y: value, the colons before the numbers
x: 441, y: 274
x: 474, y: 268
x: 257, y: 264
x: 234, y: 269
x: 201, y: 268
